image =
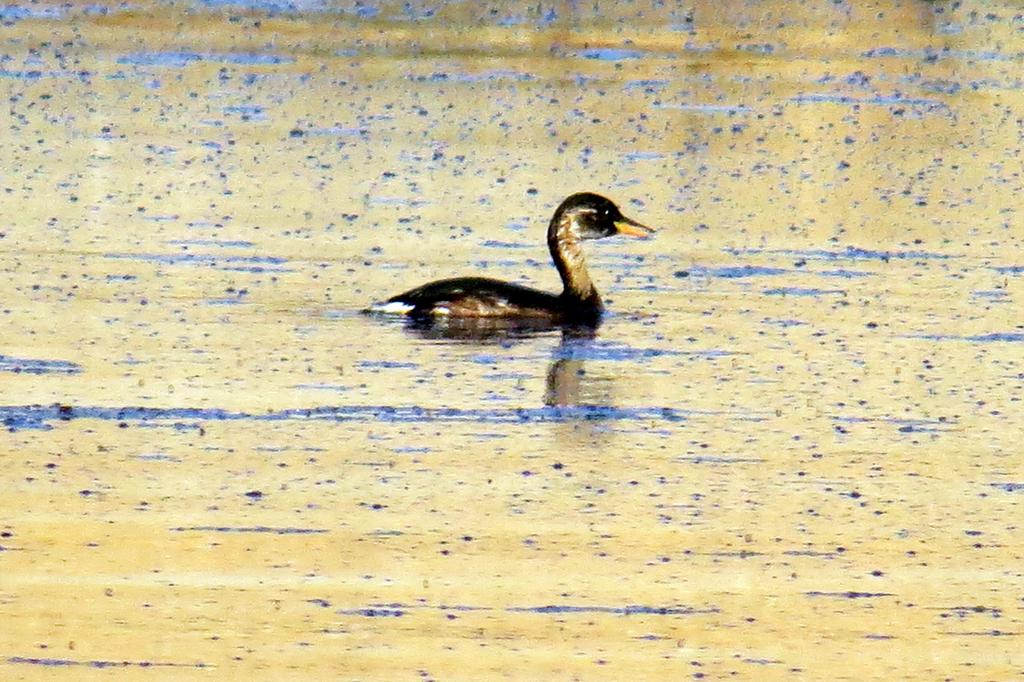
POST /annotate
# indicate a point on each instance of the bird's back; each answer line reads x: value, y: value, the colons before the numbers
x: 473, y: 297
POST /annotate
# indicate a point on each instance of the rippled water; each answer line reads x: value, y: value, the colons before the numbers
x: 798, y: 422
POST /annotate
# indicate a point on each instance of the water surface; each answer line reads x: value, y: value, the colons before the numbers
x: 793, y: 438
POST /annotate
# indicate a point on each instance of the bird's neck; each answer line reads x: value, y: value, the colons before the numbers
x: 567, y: 252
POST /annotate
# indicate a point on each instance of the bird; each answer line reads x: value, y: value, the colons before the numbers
x: 580, y: 217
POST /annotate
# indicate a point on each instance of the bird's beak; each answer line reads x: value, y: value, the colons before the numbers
x: 630, y: 227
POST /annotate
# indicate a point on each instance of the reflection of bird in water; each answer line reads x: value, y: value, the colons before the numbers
x: 500, y: 330
x: 566, y: 383
x: 580, y: 217
x: 565, y: 374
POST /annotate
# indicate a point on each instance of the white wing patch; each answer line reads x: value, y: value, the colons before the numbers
x: 392, y: 308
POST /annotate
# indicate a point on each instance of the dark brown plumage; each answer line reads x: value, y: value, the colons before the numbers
x: 580, y: 217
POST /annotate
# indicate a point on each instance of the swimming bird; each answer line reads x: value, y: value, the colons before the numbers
x: 580, y: 217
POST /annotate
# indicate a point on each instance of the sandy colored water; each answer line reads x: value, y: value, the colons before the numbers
x: 792, y: 449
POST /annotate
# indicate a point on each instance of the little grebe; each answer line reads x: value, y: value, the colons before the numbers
x: 581, y: 216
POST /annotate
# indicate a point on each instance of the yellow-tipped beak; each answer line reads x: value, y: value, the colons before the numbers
x: 632, y: 228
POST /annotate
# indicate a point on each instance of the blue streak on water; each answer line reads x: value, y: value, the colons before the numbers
x: 255, y: 269
x: 548, y: 18
x: 849, y: 253
x: 1009, y: 487
x: 496, y: 244
x: 738, y: 271
x: 483, y: 77
x: 250, y: 529
x: 503, y: 262
x: 386, y: 364
x: 994, y: 337
x: 628, y: 610
x: 845, y: 274
x: 335, y: 131
x: 508, y: 376
x: 243, y: 109
x: 905, y: 425
x: 996, y: 296
x: 195, y: 258
x: 799, y: 291
x: 228, y: 262
x: 286, y: 6
x: 463, y: 607
x: 706, y: 108
x: 642, y: 156
x: 1010, y: 269
x: 31, y: 366
x: 24, y: 422
x: 177, y: 426
x: 881, y: 100
x: 180, y: 59
x: 157, y: 457
x: 19, y: 12
x: 941, y: 86
x: 484, y: 360
x: 716, y: 459
x: 645, y: 84
x: 67, y: 662
x: 397, y: 606
x: 373, y: 612
x: 759, y: 48
x: 36, y: 74
x: 610, y: 351
x: 397, y: 201
x: 397, y: 609
x: 246, y: 112
x: 849, y: 595
x: 18, y: 417
x: 891, y: 52
x: 223, y: 243
x: 322, y: 387
x: 612, y: 54
x: 929, y: 53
